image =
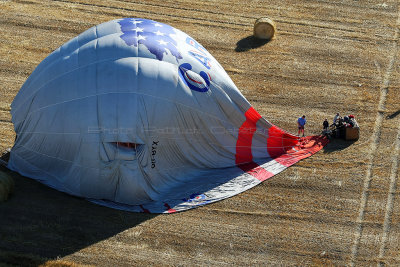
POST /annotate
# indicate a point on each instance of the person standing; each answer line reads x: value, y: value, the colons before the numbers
x: 301, y: 122
x: 325, y: 124
x: 336, y: 118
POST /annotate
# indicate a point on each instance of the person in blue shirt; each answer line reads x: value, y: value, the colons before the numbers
x: 301, y: 122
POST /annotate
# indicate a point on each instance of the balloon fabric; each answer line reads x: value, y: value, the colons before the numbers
x: 136, y: 115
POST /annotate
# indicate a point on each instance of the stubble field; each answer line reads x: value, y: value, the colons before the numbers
x: 339, y: 207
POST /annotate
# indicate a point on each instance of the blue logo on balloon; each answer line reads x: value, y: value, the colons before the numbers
x: 194, y: 81
x: 197, y: 199
x: 157, y: 37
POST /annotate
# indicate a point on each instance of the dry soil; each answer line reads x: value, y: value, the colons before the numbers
x: 339, y: 207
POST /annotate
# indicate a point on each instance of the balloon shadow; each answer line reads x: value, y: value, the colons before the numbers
x: 394, y: 115
x: 250, y: 42
x: 337, y: 144
x: 39, y: 223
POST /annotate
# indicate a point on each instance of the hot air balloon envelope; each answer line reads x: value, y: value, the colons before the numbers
x: 135, y: 114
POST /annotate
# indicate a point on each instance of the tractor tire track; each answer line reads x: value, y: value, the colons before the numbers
x: 390, y: 198
x: 375, y: 142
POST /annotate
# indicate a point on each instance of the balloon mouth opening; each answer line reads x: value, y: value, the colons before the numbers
x: 129, y: 145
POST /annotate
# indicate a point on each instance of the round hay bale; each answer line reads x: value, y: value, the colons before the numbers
x: 6, y: 186
x: 264, y: 28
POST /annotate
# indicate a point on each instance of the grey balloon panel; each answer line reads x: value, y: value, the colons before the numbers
x: 118, y: 84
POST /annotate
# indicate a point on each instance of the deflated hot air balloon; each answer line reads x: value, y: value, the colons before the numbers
x: 136, y: 115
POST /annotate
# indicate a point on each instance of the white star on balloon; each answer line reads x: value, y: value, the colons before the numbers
x: 159, y: 33
x: 157, y: 24
x: 138, y: 29
x: 140, y: 37
x: 162, y: 42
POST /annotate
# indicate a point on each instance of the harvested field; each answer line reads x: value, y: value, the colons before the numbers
x: 339, y: 207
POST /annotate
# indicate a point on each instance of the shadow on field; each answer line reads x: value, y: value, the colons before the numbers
x: 337, y: 144
x: 394, y: 115
x: 250, y: 42
x: 39, y: 223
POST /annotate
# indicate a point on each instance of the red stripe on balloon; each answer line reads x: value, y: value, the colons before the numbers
x: 169, y: 209
x: 245, y: 137
x: 287, y: 149
x: 244, y: 156
x: 193, y: 80
x: 143, y: 209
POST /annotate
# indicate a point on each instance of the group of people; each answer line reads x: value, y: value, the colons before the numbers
x: 338, y: 125
x: 338, y: 121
